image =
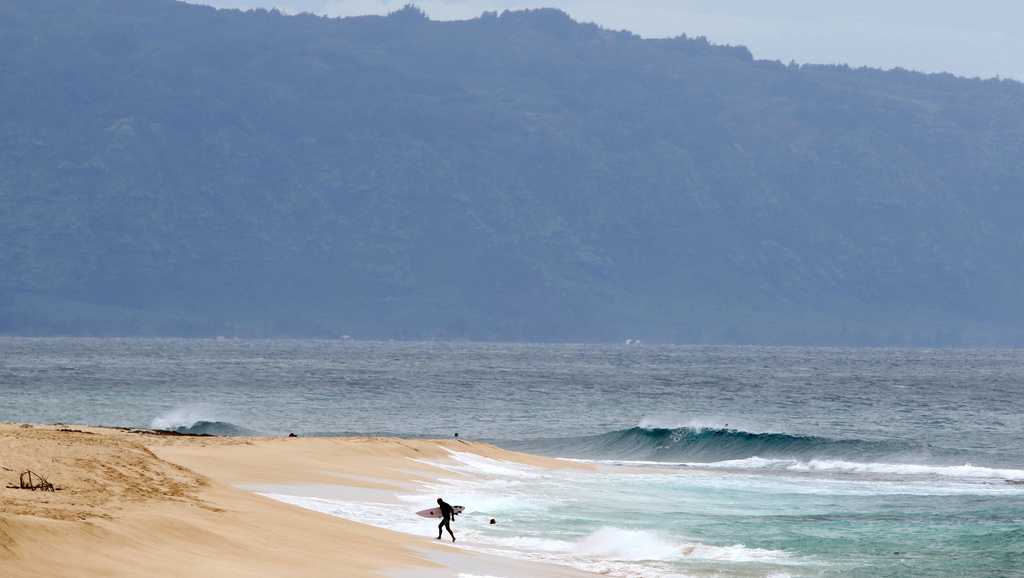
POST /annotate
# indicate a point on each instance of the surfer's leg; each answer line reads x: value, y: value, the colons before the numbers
x: 439, y: 526
x: 447, y: 526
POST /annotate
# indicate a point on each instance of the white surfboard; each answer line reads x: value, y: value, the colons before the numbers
x: 436, y: 512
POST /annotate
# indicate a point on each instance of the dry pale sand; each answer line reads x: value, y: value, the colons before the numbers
x: 137, y: 504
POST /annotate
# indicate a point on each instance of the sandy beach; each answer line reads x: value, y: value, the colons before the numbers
x: 133, y: 503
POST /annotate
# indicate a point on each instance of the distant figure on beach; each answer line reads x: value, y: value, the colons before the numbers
x: 447, y: 513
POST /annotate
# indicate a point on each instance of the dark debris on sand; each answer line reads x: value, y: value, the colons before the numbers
x: 162, y: 432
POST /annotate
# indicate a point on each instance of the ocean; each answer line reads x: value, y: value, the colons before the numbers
x: 711, y: 461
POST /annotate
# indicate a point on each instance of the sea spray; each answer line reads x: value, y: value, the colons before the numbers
x: 184, y: 416
x: 197, y: 419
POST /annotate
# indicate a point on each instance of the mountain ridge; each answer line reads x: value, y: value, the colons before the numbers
x: 171, y: 169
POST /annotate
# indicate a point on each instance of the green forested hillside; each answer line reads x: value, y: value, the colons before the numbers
x: 172, y: 169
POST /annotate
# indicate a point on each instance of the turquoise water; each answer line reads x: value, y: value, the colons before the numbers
x: 711, y: 461
x: 652, y: 520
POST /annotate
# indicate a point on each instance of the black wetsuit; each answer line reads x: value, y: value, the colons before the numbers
x: 446, y: 518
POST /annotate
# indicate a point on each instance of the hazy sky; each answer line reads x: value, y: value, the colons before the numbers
x: 979, y: 38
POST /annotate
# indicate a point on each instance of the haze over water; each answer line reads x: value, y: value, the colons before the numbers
x: 743, y: 461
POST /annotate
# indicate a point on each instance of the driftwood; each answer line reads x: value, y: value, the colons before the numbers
x: 29, y: 480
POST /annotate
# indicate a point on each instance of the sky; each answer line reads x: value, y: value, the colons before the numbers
x: 980, y: 38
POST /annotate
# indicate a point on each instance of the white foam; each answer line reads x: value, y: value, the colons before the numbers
x: 609, y: 550
x: 395, y: 517
x: 734, y: 553
x: 631, y: 552
x: 508, y: 490
x: 644, y: 545
x: 533, y: 544
x: 627, y: 545
x: 843, y: 466
x: 473, y: 464
x: 965, y: 471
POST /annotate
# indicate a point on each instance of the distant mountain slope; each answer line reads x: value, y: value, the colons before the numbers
x: 173, y: 169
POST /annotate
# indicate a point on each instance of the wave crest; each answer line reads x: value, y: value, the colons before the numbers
x: 213, y: 428
x: 734, y: 449
x: 197, y: 420
x: 709, y: 444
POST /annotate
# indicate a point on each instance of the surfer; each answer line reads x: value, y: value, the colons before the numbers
x: 447, y: 513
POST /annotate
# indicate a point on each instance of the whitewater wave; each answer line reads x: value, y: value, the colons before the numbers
x: 608, y: 550
x: 847, y: 467
x: 468, y: 463
x: 644, y: 545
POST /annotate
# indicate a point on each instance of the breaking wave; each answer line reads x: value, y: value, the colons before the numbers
x: 197, y: 420
x: 212, y: 428
x: 695, y: 444
x: 734, y: 449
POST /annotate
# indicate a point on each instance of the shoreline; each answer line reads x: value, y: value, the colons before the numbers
x: 134, y: 502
